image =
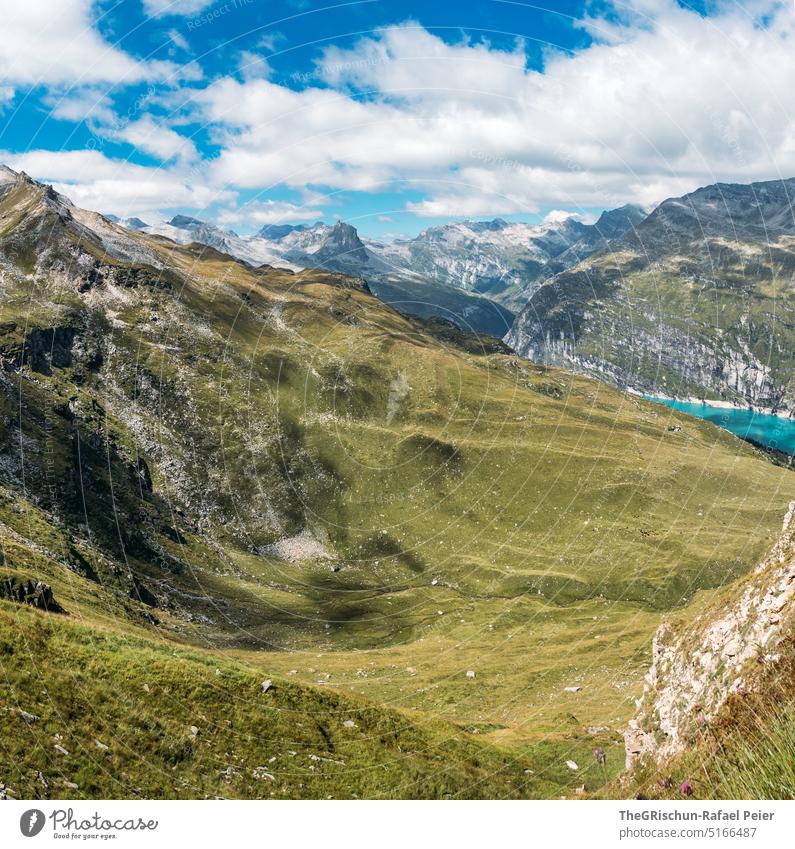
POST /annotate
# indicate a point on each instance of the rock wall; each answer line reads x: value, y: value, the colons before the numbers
x: 693, y: 672
x: 659, y: 360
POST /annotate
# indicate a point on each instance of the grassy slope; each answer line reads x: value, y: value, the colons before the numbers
x: 181, y: 724
x: 486, y: 515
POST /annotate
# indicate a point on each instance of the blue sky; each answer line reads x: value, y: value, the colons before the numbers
x: 393, y: 115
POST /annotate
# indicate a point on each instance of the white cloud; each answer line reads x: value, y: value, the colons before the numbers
x: 178, y: 39
x: 558, y: 216
x: 54, y: 42
x: 161, y: 8
x: 662, y: 101
x: 253, y: 66
x: 97, y: 182
x: 82, y: 104
x: 6, y: 95
x: 469, y: 202
x: 157, y: 139
x: 411, y: 64
x: 267, y: 212
x: 666, y: 100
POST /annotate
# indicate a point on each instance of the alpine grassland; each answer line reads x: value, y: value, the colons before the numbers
x: 445, y: 562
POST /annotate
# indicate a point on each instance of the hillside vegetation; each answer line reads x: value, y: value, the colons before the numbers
x: 274, y: 474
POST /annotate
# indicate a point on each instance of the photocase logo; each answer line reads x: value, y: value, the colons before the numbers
x: 31, y: 822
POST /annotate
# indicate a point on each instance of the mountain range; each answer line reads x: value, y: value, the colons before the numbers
x: 692, y: 300
x: 472, y: 273
x: 695, y: 300
x: 261, y: 535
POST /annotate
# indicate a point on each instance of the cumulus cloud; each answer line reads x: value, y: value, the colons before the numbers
x: 55, y: 42
x: 95, y: 181
x: 90, y: 103
x: 558, y: 216
x: 267, y: 212
x: 664, y: 99
x: 157, y: 139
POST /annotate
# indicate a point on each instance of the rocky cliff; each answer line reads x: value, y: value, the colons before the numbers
x: 696, y: 300
x: 695, y: 670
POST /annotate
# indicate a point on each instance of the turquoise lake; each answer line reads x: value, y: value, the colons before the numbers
x: 767, y: 430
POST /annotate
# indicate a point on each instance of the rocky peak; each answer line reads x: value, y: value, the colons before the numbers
x: 276, y: 232
x: 7, y: 175
x: 343, y: 243
x: 754, y: 212
x: 615, y: 222
x: 485, y: 226
x: 135, y: 223
x: 184, y: 222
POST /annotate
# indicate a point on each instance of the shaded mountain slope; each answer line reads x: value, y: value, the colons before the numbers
x: 696, y: 300
x: 503, y: 261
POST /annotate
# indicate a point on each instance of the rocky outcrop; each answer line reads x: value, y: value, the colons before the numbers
x: 658, y: 359
x: 30, y: 592
x: 694, y: 671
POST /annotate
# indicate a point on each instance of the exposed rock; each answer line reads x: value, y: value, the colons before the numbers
x: 694, y: 672
x: 28, y: 591
x: 30, y: 718
x: 652, y: 312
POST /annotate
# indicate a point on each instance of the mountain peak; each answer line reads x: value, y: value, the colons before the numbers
x: 343, y: 239
x: 614, y: 222
x: 484, y: 226
x: 7, y: 175
x: 276, y: 232
x: 183, y: 221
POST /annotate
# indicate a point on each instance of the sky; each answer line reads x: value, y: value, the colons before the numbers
x: 392, y: 115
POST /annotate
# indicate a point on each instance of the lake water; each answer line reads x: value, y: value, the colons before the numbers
x: 767, y: 430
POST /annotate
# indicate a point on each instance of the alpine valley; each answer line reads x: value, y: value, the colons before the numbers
x: 264, y: 535
x: 474, y: 273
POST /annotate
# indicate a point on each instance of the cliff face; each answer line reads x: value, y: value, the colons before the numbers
x: 695, y: 300
x: 695, y: 671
